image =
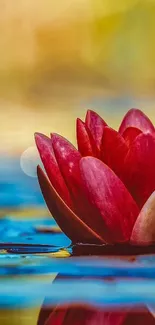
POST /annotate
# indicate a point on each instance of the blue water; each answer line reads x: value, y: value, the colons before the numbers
x: 16, y: 188
x: 27, y: 253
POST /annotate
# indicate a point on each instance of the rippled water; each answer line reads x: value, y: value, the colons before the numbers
x: 38, y: 262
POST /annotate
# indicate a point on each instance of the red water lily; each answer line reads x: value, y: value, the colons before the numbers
x: 84, y: 315
x: 104, y: 192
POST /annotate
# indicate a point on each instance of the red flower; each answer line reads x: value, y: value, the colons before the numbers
x: 104, y: 192
x: 83, y: 315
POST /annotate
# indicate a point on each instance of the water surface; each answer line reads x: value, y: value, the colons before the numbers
x: 38, y: 262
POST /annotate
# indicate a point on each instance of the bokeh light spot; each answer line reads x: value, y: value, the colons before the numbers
x: 29, y: 161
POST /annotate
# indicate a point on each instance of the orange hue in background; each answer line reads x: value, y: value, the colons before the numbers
x: 59, y: 58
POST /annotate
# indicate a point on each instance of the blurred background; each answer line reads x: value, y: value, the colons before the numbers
x: 58, y: 58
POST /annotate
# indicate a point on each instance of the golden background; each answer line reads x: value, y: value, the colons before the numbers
x: 58, y: 58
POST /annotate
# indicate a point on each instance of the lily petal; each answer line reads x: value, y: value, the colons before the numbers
x: 114, y: 150
x: 95, y: 125
x: 112, y: 200
x: 130, y: 134
x: 57, y: 317
x: 136, y: 118
x: 139, y: 167
x: 68, y: 159
x: 142, y: 317
x: 44, y: 145
x: 67, y: 220
x: 83, y: 140
x: 80, y: 315
x: 144, y: 229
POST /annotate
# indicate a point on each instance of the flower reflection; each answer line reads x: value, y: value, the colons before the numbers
x: 80, y: 314
x: 86, y: 316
